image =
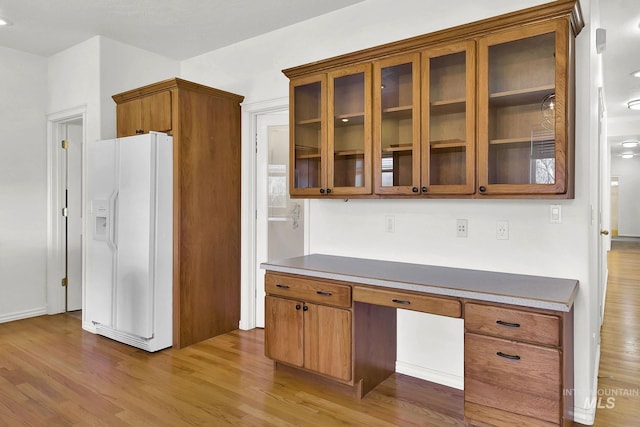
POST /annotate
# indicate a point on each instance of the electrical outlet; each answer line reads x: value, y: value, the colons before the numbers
x: 461, y: 227
x: 502, y: 230
x: 390, y: 223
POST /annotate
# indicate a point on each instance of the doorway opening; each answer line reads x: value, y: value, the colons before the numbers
x: 65, y: 219
x: 280, y: 220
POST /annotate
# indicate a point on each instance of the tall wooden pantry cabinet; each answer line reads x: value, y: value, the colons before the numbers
x: 205, y: 124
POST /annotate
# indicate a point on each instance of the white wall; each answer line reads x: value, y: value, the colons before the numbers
x: 23, y: 85
x: 628, y: 170
x: 431, y: 346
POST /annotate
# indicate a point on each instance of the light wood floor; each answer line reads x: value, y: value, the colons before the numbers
x: 619, y: 376
x: 54, y: 374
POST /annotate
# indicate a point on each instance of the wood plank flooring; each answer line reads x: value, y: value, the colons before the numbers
x: 619, y: 376
x: 54, y: 374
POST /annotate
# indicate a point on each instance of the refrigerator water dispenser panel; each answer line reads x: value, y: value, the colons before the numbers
x: 101, y: 219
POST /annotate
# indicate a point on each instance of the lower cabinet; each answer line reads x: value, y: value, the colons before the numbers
x: 311, y: 336
x: 518, y: 361
x: 516, y: 367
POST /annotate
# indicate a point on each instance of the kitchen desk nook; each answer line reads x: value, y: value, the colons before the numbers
x: 335, y: 317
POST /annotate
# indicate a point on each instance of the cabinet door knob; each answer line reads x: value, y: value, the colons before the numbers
x: 424, y: 189
x: 297, y: 306
x: 482, y: 188
x: 322, y: 191
x: 305, y: 308
x: 414, y: 189
x: 328, y: 190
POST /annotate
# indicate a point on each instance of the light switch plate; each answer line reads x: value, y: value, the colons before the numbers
x: 555, y: 214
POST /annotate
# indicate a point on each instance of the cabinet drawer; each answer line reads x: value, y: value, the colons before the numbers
x: 512, y: 323
x: 307, y: 289
x: 512, y: 376
x: 408, y: 300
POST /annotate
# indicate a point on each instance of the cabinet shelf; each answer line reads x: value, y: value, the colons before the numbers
x: 449, y: 106
x: 349, y: 153
x: 520, y: 96
x: 401, y: 112
x: 407, y: 147
x: 309, y: 122
x: 448, y: 143
x: 520, y: 140
x: 349, y: 119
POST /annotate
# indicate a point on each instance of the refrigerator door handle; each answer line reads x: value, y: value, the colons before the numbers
x: 113, y: 221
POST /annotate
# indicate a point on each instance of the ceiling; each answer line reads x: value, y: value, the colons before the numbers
x: 181, y: 29
x: 621, y: 20
x: 177, y: 29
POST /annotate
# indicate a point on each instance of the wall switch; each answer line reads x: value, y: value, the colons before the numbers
x: 502, y: 230
x: 461, y: 227
x: 555, y: 214
x: 390, y: 223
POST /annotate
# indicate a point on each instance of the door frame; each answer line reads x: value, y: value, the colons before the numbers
x: 248, y: 259
x: 55, y: 226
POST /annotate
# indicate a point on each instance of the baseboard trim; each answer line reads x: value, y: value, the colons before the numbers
x: 431, y: 375
x: 18, y: 315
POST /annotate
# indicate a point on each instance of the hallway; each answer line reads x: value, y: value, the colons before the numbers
x: 618, y: 400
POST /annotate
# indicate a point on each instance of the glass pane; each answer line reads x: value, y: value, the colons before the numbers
x: 448, y: 118
x: 522, y: 111
x: 397, y: 125
x: 348, y: 138
x: 307, y: 101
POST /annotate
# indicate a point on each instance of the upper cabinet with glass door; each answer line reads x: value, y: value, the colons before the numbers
x: 448, y: 119
x: 523, y: 142
x: 307, y: 129
x: 349, y: 131
x: 396, y: 125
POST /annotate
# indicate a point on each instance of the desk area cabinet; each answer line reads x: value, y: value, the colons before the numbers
x: 335, y: 317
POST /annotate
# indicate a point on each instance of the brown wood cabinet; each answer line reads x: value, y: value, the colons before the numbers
x: 514, y: 72
x: 331, y: 133
x: 518, y: 359
x: 205, y: 124
x: 516, y: 366
x: 144, y: 114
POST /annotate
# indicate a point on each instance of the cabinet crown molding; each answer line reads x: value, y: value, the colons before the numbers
x: 172, y: 83
x: 570, y: 9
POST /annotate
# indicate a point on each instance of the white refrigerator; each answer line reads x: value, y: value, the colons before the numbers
x: 129, y: 287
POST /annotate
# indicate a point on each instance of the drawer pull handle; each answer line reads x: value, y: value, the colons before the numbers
x: 508, y: 356
x: 508, y: 324
x: 324, y: 294
x: 282, y: 286
x: 399, y: 301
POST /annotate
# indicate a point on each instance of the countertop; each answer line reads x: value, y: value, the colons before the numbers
x: 523, y: 290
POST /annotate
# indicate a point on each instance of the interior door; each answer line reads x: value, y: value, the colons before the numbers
x: 604, y: 197
x: 280, y: 228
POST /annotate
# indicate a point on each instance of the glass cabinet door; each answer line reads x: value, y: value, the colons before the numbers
x: 396, y: 112
x: 448, y: 145
x: 308, y: 135
x: 349, y: 131
x: 523, y: 143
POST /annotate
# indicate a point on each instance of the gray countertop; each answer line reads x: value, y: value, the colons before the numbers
x: 523, y: 290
